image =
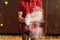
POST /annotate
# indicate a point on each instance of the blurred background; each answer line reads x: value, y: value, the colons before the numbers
x: 9, y: 22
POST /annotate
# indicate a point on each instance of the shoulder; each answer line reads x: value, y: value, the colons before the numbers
x: 21, y: 3
x: 39, y: 2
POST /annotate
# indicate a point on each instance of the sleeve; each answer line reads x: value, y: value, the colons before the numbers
x: 20, y: 6
x: 39, y: 3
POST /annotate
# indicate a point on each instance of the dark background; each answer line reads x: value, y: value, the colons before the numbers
x: 53, y: 17
x: 9, y: 16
